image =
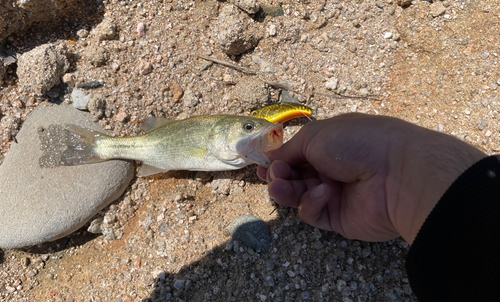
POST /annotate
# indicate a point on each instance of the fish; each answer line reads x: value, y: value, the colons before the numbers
x: 282, y: 112
x: 200, y: 143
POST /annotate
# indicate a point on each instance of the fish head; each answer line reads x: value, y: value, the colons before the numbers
x: 252, y: 138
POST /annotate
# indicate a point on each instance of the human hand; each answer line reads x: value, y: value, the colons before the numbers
x: 366, y: 177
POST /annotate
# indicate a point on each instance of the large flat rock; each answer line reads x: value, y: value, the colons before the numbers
x: 43, y: 204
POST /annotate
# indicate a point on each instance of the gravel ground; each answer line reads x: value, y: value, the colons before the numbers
x: 167, y: 238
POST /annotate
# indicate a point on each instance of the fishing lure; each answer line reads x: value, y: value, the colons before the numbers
x: 282, y: 112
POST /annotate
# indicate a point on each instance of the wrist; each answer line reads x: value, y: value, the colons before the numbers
x: 430, y: 163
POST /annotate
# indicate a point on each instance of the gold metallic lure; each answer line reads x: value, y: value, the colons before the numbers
x: 282, y: 112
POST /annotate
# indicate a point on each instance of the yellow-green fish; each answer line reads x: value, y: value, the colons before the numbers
x: 201, y: 143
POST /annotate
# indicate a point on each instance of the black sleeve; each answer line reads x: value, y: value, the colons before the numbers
x: 456, y: 254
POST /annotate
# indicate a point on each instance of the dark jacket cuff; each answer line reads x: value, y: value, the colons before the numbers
x: 456, y: 254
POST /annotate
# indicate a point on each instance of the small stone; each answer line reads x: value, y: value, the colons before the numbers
x: 305, y: 295
x: 249, y: 6
x: 145, y: 67
x: 95, y: 226
x: 80, y: 98
x: 482, y: 124
x: 493, y: 86
x: 437, y: 9
x: 179, y: 284
x: 272, y: 30
x: 332, y: 84
x: 252, y: 231
x: 69, y: 79
x: 41, y: 69
x: 363, y: 92
x: 82, y: 33
x: 106, y: 30
x: 122, y: 116
x: 388, y: 35
x: 403, y: 3
x: 235, y: 31
x: 141, y: 29
x: 265, y: 66
x: 396, y: 36
x: 189, y: 99
x: 488, y: 133
x: 290, y: 273
x: 98, y: 56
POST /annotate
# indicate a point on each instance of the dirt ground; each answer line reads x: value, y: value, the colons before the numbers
x: 167, y: 238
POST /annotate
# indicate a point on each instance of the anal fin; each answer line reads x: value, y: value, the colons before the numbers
x: 147, y: 170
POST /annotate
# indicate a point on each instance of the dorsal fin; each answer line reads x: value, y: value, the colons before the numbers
x: 152, y: 122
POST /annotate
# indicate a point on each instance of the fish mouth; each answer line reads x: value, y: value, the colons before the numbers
x: 269, y: 139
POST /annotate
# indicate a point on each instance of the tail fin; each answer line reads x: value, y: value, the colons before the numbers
x: 68, y: 145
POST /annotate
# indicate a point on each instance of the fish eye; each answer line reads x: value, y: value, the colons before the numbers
x: 249, y: 126
x: 254, y: 113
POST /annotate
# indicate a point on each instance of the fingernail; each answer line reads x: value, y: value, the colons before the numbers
x: 318, y: 191
x: 271, y: 174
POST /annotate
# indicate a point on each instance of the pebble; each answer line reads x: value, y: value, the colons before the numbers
x: 403, y: 3
x: 41, y: 68
x: 34, y: 211
x: 252, y: 231
x: 265, y: 66
x: 141, y: 29
x: 95, y: 226
x: 106, y: 30
x: 82, y: 33
x: 80, y: 98
x: 145, y: 67
x: 272, y: 30
x: 235, y: 31
x: 179, y: 284
x: 189, y: 99
x: 122, y: 116
x: 249, y: 6
x: 388, y: 35
x: 332, y: 84
x: 437, y: 9
x: 97, y: 56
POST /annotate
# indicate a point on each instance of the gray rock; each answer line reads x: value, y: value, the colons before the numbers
x: 42, y: 68
x: 249, y: 6
x: 265, y: 66
x: 106, y: 30
x: 332, y: 84
x: 20, y: 15
x: 236, y: 31
x: 97, y: 55
x: 80, y: 99
x: 252, y: 231
x: 437, y: 9
x: 40, y: 205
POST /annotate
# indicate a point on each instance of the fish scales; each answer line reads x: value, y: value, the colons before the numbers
x: 203, y: 143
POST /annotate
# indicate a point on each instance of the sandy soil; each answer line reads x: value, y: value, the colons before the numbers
x: 167, y: 238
